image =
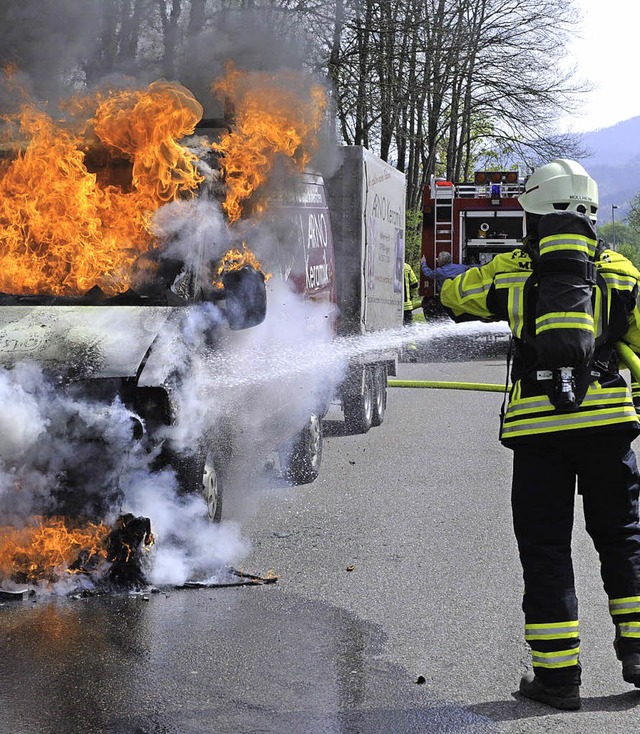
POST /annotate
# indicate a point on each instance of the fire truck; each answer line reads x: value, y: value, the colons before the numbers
x: 473, y: 221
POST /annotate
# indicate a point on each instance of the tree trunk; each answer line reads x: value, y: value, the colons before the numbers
x: 170, y: 17
x: 196, y: 17
x: 102, y: 61
x: 130, y: 28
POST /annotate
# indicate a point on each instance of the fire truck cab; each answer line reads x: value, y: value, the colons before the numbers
x: 471, y: 220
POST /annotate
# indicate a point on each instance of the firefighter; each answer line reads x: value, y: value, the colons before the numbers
x: 411, y: 284
x: 566, y: 422
x: 445, y: 268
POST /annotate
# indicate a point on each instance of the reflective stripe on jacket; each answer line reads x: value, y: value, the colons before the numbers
x: 496, y: 292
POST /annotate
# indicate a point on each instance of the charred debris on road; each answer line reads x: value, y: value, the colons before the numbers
x: 114, y: 564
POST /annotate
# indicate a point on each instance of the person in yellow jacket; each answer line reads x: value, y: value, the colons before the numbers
x: 411, y: 284
x: 569, y: 418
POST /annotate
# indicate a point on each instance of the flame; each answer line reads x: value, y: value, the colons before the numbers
x: 62, y: 228
x: 275, y: 114
x: 48, y: 548
x: 236, y: 259
x: 146, y: 127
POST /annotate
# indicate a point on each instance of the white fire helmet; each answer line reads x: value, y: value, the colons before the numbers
x: 562, y: 185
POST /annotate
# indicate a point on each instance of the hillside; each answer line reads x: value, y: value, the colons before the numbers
x: 615, y: 164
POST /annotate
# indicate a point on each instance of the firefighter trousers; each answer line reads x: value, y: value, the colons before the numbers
x: 545, y: 471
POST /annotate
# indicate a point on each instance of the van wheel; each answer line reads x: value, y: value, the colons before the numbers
x: 358, y: 409
x: 212, y: 489
x: 379, y: 394
x: 300, y: 460
x: 200, y: 473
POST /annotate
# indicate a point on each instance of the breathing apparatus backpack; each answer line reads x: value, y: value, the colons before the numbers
x: 564, y: 332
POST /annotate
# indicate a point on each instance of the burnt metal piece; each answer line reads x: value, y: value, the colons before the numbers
x: 124, y: 544
x: 236, y: 578
x: 220, y: 123
x: 15, y: 595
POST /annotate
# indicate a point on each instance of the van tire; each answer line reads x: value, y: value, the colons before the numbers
x: 358, y: 409
x: 200, y: 473
x: 379, y: 394
x: 300, y: 460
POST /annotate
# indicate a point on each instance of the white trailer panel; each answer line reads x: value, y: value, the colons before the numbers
x: 367, y: 205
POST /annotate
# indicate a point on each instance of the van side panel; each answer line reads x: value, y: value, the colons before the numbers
x: 299, y: 221
x: 367, y: 205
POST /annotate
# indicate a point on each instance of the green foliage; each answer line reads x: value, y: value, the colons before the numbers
x: 618, y: 234
x: 497, y: 156
x: 489, y: 153
x: 623, y: 238
x: 413, y: 239
x: 633, y: 218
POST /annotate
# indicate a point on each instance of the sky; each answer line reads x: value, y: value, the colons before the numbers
x: 607, y: 55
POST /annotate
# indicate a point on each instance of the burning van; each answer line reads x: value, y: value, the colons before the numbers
x: 99, y: 298
x: 137, y: 247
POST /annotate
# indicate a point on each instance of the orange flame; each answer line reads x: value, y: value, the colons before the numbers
x: 145, y: 126
x: 62, y: 228
x: 48, y: 548
x: 236, y: 259
x: 275, y: 114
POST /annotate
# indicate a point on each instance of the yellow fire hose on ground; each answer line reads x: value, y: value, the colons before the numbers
x: 446, y: 385
x: 626, y: 354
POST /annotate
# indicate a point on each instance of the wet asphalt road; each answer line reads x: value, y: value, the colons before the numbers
x: 398, y: 562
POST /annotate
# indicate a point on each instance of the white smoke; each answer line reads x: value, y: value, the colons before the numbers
x: 187, y: 544
x: 52, y: 439
x: 22, y: 424
x: 63, y: 453
x: 194, y: 230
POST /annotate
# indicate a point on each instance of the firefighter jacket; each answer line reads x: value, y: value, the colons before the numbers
x: 506, y: 290
x: 411, y: 282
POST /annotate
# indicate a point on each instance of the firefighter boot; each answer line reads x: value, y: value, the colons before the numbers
x: 631, y: 668
x: 565, y: 697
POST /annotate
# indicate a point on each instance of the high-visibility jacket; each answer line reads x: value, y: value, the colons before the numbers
x: 410, y: 283
x: 498, y: 292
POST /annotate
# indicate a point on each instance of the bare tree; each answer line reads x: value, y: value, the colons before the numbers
x: 518, y: 81
x: 197, y: 17
x: 132, y: 14
x: 170, y: 11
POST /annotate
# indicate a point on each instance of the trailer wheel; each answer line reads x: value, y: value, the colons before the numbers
x: 358, y: 409
x: 300, y: 460
x: 379, y: 394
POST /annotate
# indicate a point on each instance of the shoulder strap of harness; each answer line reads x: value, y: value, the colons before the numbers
x: 601, y: 285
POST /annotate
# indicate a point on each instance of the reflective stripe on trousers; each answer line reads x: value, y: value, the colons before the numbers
x: 554, y: 645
